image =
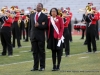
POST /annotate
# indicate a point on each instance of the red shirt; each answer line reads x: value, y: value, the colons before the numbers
x: 67, y: 21
x: 17, y: 16
x: 94, y: 19
x: 8, y: 22
x: 99, y: 15
x: 70, y: 15
x: 60, y: 26
x: 23, y: 17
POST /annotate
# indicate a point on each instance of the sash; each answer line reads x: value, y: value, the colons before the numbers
x: 56, y: 29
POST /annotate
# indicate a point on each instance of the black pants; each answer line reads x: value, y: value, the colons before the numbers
x: 83, y: 33
x: 38, y: 53
x: 16, y: 37
x: 26, y: 34
x: 22, y: 34
x: 70, y: 30
x: 0, y: 34
x: 90, y: 36
x: 16, y: 34
x: 56, y: 54
x: 66, y: 41
x: 97, y: 32
x: 6, y: 40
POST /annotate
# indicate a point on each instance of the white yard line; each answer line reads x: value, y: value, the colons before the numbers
x: 46, y: 59
x: 83, y: 57
x: 27, y: 51
x: 24, y: 51
x: 14, y: 56
x: 20, y: 47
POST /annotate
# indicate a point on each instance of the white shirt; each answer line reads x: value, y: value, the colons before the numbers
x: 39, y: 13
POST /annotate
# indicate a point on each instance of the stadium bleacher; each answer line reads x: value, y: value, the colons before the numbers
x: 74, y: 5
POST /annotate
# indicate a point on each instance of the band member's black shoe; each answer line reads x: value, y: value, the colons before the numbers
x: 82, y: 38
x: 54, y: 68
x: 26, y: 41
x: 89, y: 52
x: 19, y: 46
x: 34, y: 70
x: 10, y: 55
x: 41, y: 69
x: 85, y: 43
x: 58, y: 68
x: 94, y: 51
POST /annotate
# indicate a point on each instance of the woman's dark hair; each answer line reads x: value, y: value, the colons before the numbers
x: 55, y: 9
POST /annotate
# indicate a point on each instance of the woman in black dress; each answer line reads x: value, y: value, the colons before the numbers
x: 53, y: 38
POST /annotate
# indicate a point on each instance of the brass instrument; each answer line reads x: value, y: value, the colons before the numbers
x: 44, y: 10
x: 26, y: 22
x: 32, y: 11
x: 60, y: 13
x: 19, y: 22
x: 2, y: 10
x: 88, y: 8
x: 12, y: 8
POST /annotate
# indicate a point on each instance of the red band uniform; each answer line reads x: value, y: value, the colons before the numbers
x: 91, y: 32
x: 66, y: 35
x: 6, y: 36
x: 16, y: 30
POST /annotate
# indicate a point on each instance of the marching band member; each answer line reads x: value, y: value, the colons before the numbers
x: 6, y: 34
x: 22, y: 22
x: 66, y: 19
x: 26, y: 23
x: 55, y: 33
x: 70, y: 25
x: 83, y: 30
x: 2, y: 16
x: 97, y: 24
x: 21, y: 26
x: 91, y: 19
x: 16, y: 29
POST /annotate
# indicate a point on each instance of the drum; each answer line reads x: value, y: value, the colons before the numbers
x: 77, y: 26
x: 83, y: 26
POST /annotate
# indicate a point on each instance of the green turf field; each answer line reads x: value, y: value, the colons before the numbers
x: 78, y: 63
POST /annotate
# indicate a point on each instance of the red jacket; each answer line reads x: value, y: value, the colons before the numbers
x: 8, y: 22
x: 94, y: 19
x: 60, y: 26
x: 67, y: 21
